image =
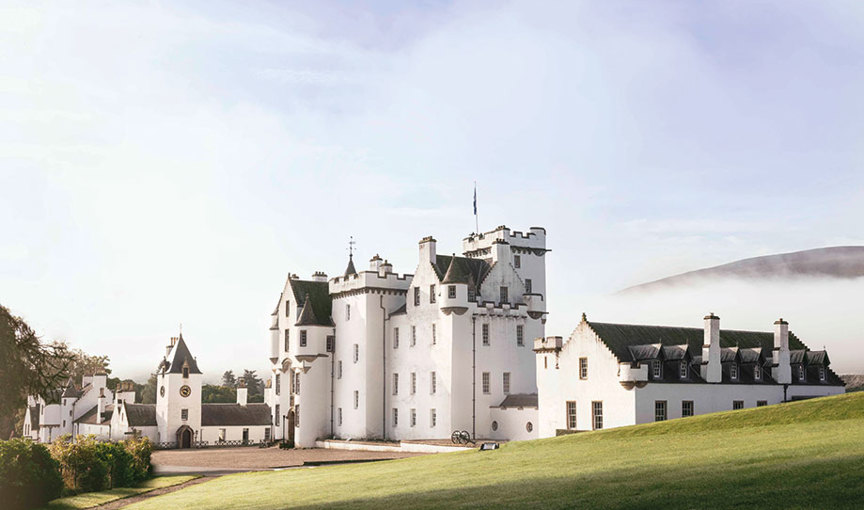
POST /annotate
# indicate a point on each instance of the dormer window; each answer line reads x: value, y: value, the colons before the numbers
x: 822, y: 374
x: 656, y: 369
x: 683, y: 370
x: 185, y: 372
x: 757, y: 372
x: 472, y: 293
x: 800, y: 372
x: 505, y: 295
x: 733, y: 371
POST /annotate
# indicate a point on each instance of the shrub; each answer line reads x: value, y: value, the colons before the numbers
x: 119, y: 464
x: 29, y: 477
x: 80, y: 465
x: 140, y: 450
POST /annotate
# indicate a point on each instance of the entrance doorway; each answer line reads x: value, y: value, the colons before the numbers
x: 290, y: 424
x: 184, y: 437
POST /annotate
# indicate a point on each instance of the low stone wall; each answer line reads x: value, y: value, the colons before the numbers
x: 388, y: 447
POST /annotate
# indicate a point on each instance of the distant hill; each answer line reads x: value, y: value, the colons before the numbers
x: 853, y: 382
x: 842, y: 262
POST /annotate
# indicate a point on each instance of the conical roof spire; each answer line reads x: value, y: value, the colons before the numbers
x: 350, y: 269
x: 307, y: 315
x: 456, y: 272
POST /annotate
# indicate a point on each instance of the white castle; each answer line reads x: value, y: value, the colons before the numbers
x: 376, y: 354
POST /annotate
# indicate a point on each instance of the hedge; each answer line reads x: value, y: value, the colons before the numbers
x: 88, y: 465
x: 29, y: 477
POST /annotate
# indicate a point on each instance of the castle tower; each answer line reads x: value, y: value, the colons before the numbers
x: 178, y: 397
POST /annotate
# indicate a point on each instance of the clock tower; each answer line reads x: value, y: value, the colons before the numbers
x: 178, y: 396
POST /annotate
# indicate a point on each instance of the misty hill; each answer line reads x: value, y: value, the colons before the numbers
x: 842, y: 262
x: 853, y: 382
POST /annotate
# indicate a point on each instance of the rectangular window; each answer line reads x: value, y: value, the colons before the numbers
x: 416, y: 296
x: 395, y: 384
x: 520, y: 335
x: 267, y: 433
x: 331, y: 343
x: 472, y: 293
x: 287, y: 340
x: 659, y: 410
x: 413, y: 382
x: 517, y: 261
x: 287, y: 308
x: 413, y: 336
x: 597, y: 415
x: 761, y: 403
x: 733, y: 371
x: 527, y: 285
x: 434, y: 335
x: 433, y: 418
x: 686, y: 408
x: 395, y: 417
x: 485, y: 334
x: 278, y: 384
x: 583, y: 368
x: 185, y: 372
x: 433, y: 382
x: 347, y: 312
x: 395, y: 338
x: 413, y: 417
x: 571, y: 415
x: 486, y: 383
x: 737, y: 404
x: 451, y: 291
x: 682, y: 370
x: 339, y: 416
x: 297, y: 383
x: 356, y: 353
x: 800, y: 372
x: 356, y: 399
x: 245, y: 435
x: 303, y: 338
x: 339, y: 370
x: 184, y: 414
x: 297, y: 416
x: 276, y: 416
x: 822, y: 374
x: 656, y: 369
x: 432, y: 293
x: 506, y: 383
x: 757, y: 372
x: 504, y: 295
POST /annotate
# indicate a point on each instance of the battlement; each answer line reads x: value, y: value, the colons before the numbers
x: 534, y: 238
x: 366, y: 279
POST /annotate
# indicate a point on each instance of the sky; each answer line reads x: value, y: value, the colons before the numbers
x: 171, y: 162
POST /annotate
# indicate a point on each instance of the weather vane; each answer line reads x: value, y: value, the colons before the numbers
x: 351, y: 244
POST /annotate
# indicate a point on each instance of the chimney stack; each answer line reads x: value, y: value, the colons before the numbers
x: 319, y: 276
x: 385, y: 269
x: 100, y: 406
x: 781, y: 370
x: 375, y: 263
x: 427, y: 249
x: 241, y: 392
x: 711, y: 369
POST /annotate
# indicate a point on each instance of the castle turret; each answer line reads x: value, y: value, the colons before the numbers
x: 454, y: 287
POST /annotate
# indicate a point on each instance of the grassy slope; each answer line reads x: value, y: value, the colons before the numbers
x: 798, y: 455
x: 90, y: 499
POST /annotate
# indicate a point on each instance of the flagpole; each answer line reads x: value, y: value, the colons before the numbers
x: 476, y: 218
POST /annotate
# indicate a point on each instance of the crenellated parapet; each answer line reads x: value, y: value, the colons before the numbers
x: 357, y: 283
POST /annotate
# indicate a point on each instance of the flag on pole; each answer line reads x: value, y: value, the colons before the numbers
x: 475, y: 199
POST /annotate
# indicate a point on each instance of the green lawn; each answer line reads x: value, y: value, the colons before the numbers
x: 797, y: 455
x: 89, y: 499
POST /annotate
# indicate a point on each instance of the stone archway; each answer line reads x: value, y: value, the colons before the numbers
x: 185, y: 436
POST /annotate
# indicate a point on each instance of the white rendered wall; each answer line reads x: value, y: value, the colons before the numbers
x: 233, y: 433
x: 169, y: 407
x: 513, y: 423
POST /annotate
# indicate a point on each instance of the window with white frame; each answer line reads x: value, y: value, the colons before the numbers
x: 520, y: 335
x: 757, y: 372
x: 395, y: 384
x: 287, y: 308
x: 656, y: 369
x: 485, y: 334
x: 433, y: 382
x: 528, y: 285
x: 485, y: 380
x: 413, y: 382
x: 184, y: 414
x: 296, y: 383
x: 571, y: 415
x: 339, y: 416
x: 395, y: 421
x: 583, y: 368
x: 302, y: 338
x: 278, y: 384
x: 505, y: 295
x: 517, y: 261
x: 287, y: 340
x: 416, y: 296
x: 356, y: 353
x: 659, y: 410
x: 356, y: 399
x: 339, y: 370
x: 413, y: 336
x: 737, y: 404
x: 472, y: 293
x: 347, y: 312
x: 682, y: 370
x: 597, y: 415
x: 761, y: 403
x: 800, y: 372
x: 686, y: 408
x: 395, y: 338
x: 221, y: 435
x: 822, y: 374
x: 413, y: 416
x: 733, y: 371
x: 331, y: 343
x: 433, y: 418
x: 432, y: 293
x: 451, y: 291
x: 506, y: 383
x: 434, y: 335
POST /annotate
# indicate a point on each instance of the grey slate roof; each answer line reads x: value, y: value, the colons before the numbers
x: 71, y: 390
x: 307, y: 314
x: 140, y: 415
x: 350, y: 269
x: 470, y: 271
x: 181, y: 356
x: 90, y: 416
x: 318, y: 294
x: 234, y: 414
x: 519, y: 400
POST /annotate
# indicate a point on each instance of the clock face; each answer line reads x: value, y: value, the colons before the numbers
x: 185, y: 391
x: 162, y: 391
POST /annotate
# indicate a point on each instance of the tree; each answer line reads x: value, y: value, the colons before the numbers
x: 29, y: 367
x: 254, y: 385
x: 212, y: 394
x: 147, y: 392
x: 228, y: 379
x: 85, y: 364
